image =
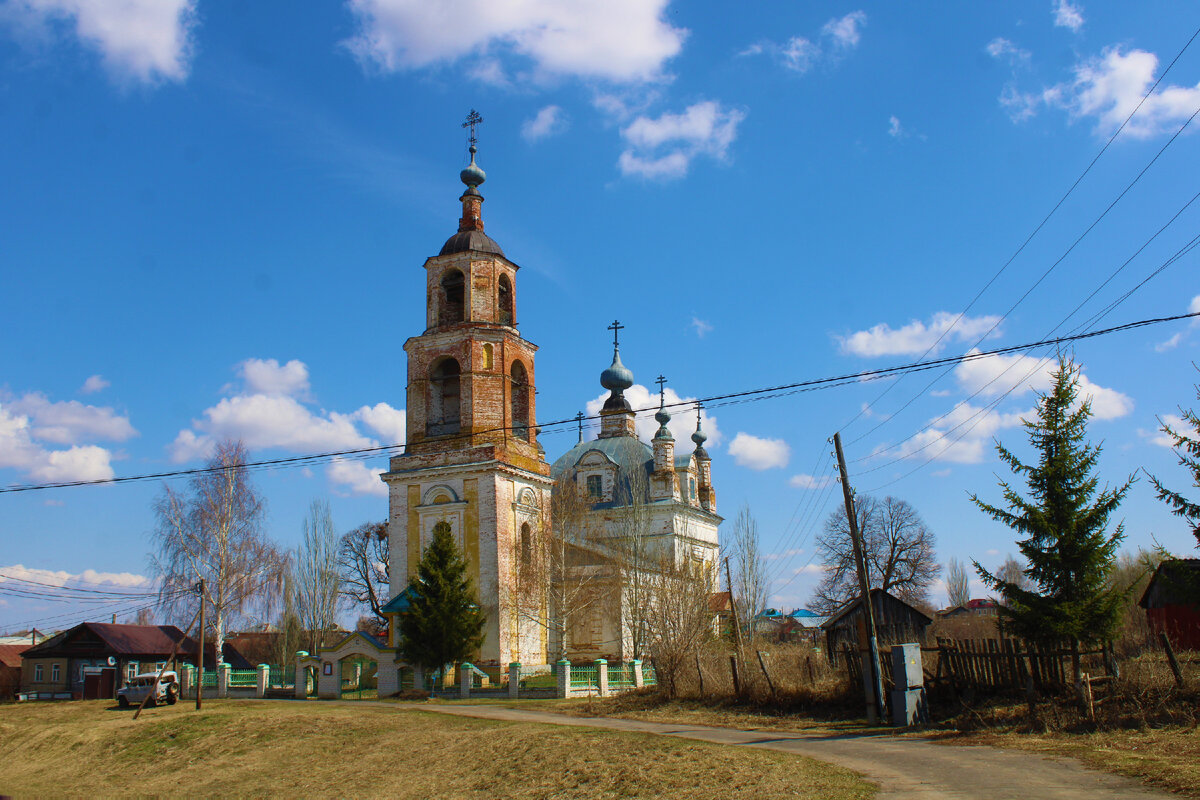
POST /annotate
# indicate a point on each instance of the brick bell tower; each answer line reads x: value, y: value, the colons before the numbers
x: 472, y: 458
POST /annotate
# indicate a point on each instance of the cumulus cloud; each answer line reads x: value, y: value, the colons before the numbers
x: 614, y: 40
x: 664, y: 147
x: 809, y: 481
x: 799, y: 54
x: 1068, y: 15
x: 1181, y: 336
x: 30, y: 424
x: 357, y: 477
x: 683, y: 416
x: 964, y: 436
x: 266, y: 376
x: 1021, y: 374
x: 69, y: 421
x: 1159, y: 437
x: 146, y: 41
x: 916, y: 337
x: 94, y: 384
x: 123, y: 580
x: 272, y: 413
x: 1004, y: 50
x: 759, y: 453
x: 550, y: 121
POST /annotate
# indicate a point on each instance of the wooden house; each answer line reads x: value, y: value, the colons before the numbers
x: 10, y: 669
x: 1172, y: 602
x: 896, y: 622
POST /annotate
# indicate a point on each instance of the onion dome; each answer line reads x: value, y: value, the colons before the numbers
x: 472, y: 174
x: 699, y: 437
x: 618, y: 377
x: 662, y: 418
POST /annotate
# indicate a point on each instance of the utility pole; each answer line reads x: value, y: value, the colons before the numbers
x: 200, y: 657
x: 872, y: 679
x: 737, y: 628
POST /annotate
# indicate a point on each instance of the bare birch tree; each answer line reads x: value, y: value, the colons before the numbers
x: 749, y: 571
x: 363, y: 560
x: 634, y: 557
x: 213, y: 531
x: 897, y: 545
x: 679, y: 618
x: 958, y: 588
x: 315, y: 578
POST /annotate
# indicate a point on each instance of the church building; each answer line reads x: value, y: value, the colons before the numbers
x: 473, y: 462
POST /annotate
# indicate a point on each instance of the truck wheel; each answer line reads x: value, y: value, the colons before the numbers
x: 172, y: 698
x: 123, y: 702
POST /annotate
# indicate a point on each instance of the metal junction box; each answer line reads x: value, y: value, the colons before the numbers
x: 907, y: 670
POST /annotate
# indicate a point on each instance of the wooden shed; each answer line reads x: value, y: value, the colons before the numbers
x: 1172, y: 602
x: 896, y: 622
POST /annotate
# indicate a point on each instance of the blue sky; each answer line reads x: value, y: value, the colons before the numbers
x: 216, y: 214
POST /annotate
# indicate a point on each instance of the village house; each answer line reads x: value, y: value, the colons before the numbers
x: 1172, y: 602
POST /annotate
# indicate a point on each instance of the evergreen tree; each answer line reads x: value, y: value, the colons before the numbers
x: 1068, y: 552
x: 1187, y: 449
x: 444, y: 623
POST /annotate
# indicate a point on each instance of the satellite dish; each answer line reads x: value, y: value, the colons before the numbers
x: 112, y: 661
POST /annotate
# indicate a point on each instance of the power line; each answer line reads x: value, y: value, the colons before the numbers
x: 807, y: 385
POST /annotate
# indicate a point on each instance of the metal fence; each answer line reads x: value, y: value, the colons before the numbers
x: 620, y: 676
x: 282, y: 676
x: 585, y: 678
x: 243, y: 677
x: 210, y: 678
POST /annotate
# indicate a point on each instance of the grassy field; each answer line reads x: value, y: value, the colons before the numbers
x: 251, y: 748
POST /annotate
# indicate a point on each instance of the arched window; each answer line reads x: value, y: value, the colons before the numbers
x: 453, y: 298
x: 505, y: 301
x: 520, y: 401
x: 526, y: 544
x: 443, y: 412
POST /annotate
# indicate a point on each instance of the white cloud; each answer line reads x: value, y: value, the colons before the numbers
x: 701, y: 327
x: 550, y: 121
x: 791, y: 553
x: 70, y: 422
x: 94, y: 384
x: 846, y: 31
x: 1169, y: 344
x: 1158, y: 437
x: 800, y: 53
x: 759, y: 454
x: 30, y: 422
x: 124, y: 580
x: 683, y: 416
x: 894, y: 129
x: 916, y: 337
x: 1002, y: 49
x: 962, y: 437
x: 266, y: 376
x: 1068, y: 15
x: 613, y: 40
x: 670, y: 142
x: 809, y: 482
x: 1020, y: 374
x: 357, y: 477
x: 1181, y: 336
x: 390, y: 423
x: 147, y: 41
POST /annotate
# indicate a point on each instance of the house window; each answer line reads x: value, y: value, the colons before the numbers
x: 595, y: 485
x: 55, y: 671
x: 37, y: 672
x: 131, y: 670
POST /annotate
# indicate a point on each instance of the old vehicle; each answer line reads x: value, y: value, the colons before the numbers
x: 161, y: 690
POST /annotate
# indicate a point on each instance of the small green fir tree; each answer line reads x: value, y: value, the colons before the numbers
x: 1068, y: 552
x: 1187, y: 449
x: 444, y: 624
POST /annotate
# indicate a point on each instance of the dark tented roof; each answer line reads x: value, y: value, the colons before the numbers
x: 470, y: 240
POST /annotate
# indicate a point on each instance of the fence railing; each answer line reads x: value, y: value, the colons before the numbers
x: 210, y: 678
x: 243, y: 677
x: 620, y: 676
x: 585, y: 678
x: 281, y: 676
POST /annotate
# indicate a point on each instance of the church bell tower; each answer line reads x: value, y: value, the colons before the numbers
x: 472, y: 459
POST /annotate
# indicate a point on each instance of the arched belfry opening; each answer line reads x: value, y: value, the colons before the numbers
x: 526, y: 545
x: 505, y: 301
x: 444, y: 405
x: 453, y: 298
x: 520, y: 400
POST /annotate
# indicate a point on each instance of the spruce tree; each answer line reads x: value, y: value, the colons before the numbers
x: 1068, y: 552
x: 444, y: 623
x: 1187, y: 449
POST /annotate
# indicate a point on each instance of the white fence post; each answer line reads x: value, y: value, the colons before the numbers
x: 223, y: 679
x: 301, y: 675
x: 464, y: 680
x: 638, y: 680
x: 602, y: 676
x: 564, y: 679
x: 186, y: 680
x: 264, y: 678
x: 514, y: 680
x: 418, y: 678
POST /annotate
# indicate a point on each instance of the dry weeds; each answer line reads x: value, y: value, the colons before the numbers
x: 250, y: 748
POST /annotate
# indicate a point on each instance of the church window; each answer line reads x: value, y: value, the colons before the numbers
x: 489, y: 358
x: 453, y: 298
x: 505, y: 301
x: 692, y: 487
x: 443, y: 414
x: 595, y: 486
x: 526, y: 544
x: 520, y: 401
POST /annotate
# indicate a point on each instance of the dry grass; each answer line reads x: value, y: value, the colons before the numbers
x: 250, y: 748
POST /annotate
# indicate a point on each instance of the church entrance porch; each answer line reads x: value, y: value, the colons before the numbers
x: 359, y: 678
x: 358, y: 667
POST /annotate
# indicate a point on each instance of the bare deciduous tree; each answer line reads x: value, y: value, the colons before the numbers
x: 897, y: 546
x: 958, y: 586
x: 749, y: 571
x: 679, y: 619
x: 213, y: 531
x: 1013, y: 572
x: 291, y: 630
x: 634, y: 557
x: 315, y: 578
x: 363, y: 563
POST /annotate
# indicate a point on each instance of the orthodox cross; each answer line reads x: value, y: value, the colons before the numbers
x: 473, y: 119
x: 698, y: 407
x: 616, y: 329
x: 662, y: 388
x: 579, y: 421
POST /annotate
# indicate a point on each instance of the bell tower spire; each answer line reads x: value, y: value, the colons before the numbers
x: 473, y: 176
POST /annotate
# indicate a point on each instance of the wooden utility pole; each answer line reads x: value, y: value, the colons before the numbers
x: 737, y: 628
x: 872, y: 679
x: 200, y: 656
